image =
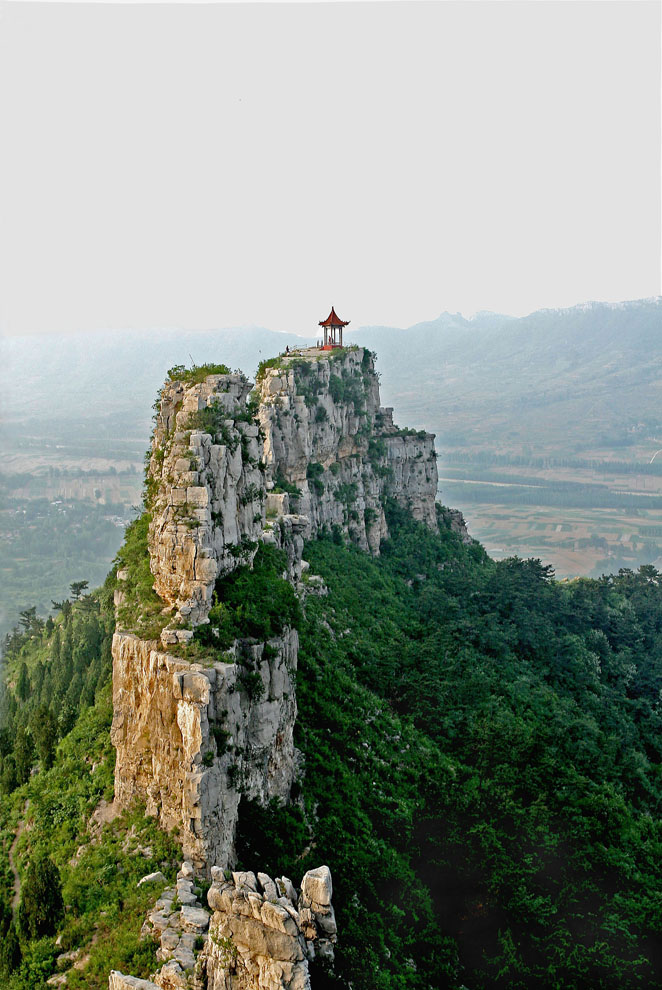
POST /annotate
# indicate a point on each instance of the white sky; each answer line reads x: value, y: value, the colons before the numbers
x: 225, y: 165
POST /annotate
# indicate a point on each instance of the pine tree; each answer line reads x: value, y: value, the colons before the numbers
x: 24, y: 754
x: 44, y: 732
x: 41, y: 906
x: 38, y: 680
x: 8, y: 776
x: 56, y: 646
x: 23, y: 683
x: 10, y: 952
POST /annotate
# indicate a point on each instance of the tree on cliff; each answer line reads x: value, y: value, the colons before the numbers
x: 41, y: 905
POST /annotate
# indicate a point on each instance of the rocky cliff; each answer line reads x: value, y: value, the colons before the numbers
x: 261, y: 933
x: 190, y: 740
x: 326, y: 435
x: 207, y: 489
x: 309, y: 450
x: 200, y: 721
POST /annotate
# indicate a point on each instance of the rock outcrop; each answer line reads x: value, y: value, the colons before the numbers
x: 263, y: 933
x: 207, y: 489
x: 326, y: 435
x: 191, y: 740
x: 118, y: 981
x: 454, y: 519
x: 309, y: 451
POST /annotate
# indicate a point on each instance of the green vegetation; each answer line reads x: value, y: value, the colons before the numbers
x: 314, y: 473
x: 251, y: 602
x: 281, y: 485
x: 483, y: 756
x: 482, y: 751
x: 482, y: 763
x: 52, y: 671
x: 349, y: 388
x: 56, y: 765
x: 41, y: 909
x: 197, y: 373
x: 264, y: 366
x: 141, y: 610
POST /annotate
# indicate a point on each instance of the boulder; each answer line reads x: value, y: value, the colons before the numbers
x: 316, y: 886
x: 152, y: 878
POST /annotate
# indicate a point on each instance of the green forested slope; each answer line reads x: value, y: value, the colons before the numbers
x: 483, y: 768
x: 56, y: 766
x: 482, y: 748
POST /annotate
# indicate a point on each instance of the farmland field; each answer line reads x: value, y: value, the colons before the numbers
x: 581, y: 519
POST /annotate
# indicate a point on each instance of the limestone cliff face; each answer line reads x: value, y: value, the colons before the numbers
x: 326, y: 434
x: 191, y: 740
x: 208, y: 489
x: 263, y: 933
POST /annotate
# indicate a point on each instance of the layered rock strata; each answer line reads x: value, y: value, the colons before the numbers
x: 208, y: 490
x: 326, y: 435
x: 190, y: 740
x: 264, y: 933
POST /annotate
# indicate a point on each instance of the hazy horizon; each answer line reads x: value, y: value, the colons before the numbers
x: 469, y: 316
x: 226, y: 165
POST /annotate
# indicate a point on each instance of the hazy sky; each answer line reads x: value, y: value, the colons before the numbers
x: 224, y: 165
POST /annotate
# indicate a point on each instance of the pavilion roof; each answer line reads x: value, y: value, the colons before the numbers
x: 333, y: 320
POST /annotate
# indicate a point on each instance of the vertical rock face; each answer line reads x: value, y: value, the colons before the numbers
x: 263, y: 934
x: 208, y: 489
x: 191, y: 740
x: 326, y: 435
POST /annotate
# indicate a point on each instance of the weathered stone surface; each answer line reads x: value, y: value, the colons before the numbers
x: 209, y: 491
x: 316, y: 886
x: 165, y: 712
x: 190, y: 741
x: 194, y: 919
x: 342, y: 450
x: 117, y: 981
x: 152, y: 878
x: 256, y: 944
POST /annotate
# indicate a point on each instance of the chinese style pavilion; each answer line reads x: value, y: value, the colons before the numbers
x: 333, y: 327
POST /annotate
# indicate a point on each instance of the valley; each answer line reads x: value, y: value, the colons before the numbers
x: 545, y: 427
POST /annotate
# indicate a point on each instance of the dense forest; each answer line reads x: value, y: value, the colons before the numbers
x: 482, y: 751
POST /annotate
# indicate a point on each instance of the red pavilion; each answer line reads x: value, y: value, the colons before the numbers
x: 333, y: 327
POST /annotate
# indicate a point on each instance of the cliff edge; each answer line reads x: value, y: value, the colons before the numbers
x: 204, y: 697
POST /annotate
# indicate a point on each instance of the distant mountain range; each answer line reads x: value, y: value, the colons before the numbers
x: 583, y: 375
x: 596, y: 367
